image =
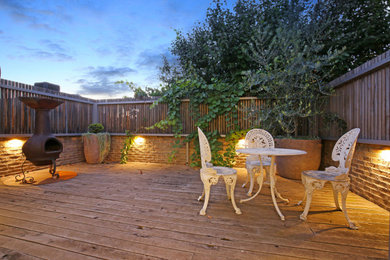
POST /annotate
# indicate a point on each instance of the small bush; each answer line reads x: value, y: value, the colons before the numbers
x: 95, y: 128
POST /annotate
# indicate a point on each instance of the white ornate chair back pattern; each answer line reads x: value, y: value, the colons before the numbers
x: 205, y: 152
x: 344, y: 148
x: 259, y: 138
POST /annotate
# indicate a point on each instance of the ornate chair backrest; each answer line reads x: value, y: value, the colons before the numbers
x: 344, y: 148
x: 205, y: 152
x: 259, y: 138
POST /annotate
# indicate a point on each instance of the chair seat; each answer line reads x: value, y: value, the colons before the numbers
x: 257, y: 163
x: 323, y: 175
x: 224, y: 170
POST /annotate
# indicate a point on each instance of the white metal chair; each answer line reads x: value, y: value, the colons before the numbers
x: 210, y: 174
x: 257, y: 138
x: 313, y: 180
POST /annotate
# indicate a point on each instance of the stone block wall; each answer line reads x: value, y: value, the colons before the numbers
x: 157, y: 149
x: 153, y: 149
x: 370, y: 174
x: 11, y: 158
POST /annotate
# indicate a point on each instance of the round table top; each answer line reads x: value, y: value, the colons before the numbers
x: 271, y: 151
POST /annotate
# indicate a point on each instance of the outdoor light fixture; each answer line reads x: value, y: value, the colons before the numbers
x: 241, y: 143
x: 385, y: 155
x: 139, y: 140
x: 14, y: 144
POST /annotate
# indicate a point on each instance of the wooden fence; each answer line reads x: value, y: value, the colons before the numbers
x: 137, y: 116
x: 362, y: 99
x: 73, y: 116
x: 119, y: 115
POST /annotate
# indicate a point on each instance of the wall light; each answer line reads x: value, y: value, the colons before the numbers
x: 139, y: 140
x: 14, y: 144
x: 385, y: 155
x: 240, y: 144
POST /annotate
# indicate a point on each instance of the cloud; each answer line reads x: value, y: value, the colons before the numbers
x: 49, y: 50
x: 108, y: 72
x: 149, y: 58
x: 25, y: 12
x: 54, y: 46
x: 153, y: 59
x: 103, y: 87
x: 101, y: 81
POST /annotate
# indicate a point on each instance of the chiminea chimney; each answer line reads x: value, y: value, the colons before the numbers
x: 42, y: 148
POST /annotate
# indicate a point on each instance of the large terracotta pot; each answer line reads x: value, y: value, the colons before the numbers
x: 96, y: 147
x: 291, y: 167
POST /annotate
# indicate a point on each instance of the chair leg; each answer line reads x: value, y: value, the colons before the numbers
x: 309, y: 195
x: 336, y: 197
x: 251, y: 172
x: 310, y: 185
x: 207, y: 182
x: 260, y: 179
x: 267, y: 175
x: 343, y: 188
x: 230, y: 182
x: 228, y: 192
x: 303, y: 178
x: 247, y: 177
x: 201, y: 196
x: 206, y: 198
x: 303, y: 199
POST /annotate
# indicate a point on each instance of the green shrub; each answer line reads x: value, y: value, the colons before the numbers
x: 95, y: 128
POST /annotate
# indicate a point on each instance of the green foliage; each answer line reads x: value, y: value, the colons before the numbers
x: 142, y: 93
x: 291, y: 74
x: 95, y: 128
x: 282, y: 51
x: 362, y: 27
x: 216, y: 48
x: 128, y: 143
x: 221, y: 98
x: 232, y: 140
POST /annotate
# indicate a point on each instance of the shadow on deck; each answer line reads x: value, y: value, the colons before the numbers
x: 151, y: 211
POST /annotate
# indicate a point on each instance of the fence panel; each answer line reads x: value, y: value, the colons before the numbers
x: 117, y: 116
x: 73, y: 116
x: 362, y: 99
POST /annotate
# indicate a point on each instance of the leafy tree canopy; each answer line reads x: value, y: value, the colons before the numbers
x: 216, y: 48
x: 283, y: 51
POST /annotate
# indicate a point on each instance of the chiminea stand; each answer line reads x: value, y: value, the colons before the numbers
x: 42, y: 148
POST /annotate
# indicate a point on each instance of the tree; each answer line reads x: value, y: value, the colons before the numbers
x: 291, y: 75
x: 362, y: 27
x: 216, y: 47
x: 142, y: 93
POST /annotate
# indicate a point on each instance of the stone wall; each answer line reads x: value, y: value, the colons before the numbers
x: 11, y: 158
x: 153, y: 149
x: 157, y: 149
x: 370, y: 174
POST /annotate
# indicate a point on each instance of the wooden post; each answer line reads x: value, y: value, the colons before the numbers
x: 95, y: 113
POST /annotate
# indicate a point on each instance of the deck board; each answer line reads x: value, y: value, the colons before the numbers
x: 113, y: 211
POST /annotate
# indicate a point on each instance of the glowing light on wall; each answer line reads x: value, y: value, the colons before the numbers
x: 14, y: 144
x: 139, y: 140
x: 240, y: 144
x: 385, y: 155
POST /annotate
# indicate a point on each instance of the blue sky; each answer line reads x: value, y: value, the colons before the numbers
x: 85, y: 46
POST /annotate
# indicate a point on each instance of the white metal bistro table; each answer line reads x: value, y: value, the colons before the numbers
x: 272, y: 152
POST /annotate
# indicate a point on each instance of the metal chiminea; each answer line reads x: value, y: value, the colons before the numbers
x: 42, y: 148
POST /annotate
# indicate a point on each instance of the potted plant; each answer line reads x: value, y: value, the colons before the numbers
x: 96, y: 143
x: 291, y: 77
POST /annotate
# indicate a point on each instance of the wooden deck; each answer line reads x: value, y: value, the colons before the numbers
x: 148, y: 211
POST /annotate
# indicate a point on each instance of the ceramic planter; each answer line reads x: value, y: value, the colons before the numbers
x: 96, y: 147
x: 291, y: 167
